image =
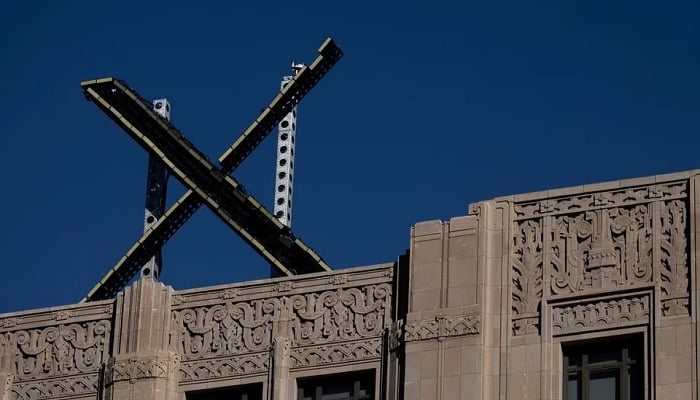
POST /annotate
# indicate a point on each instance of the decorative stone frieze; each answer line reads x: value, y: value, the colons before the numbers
x: 328, y: 318
x: 60, y: 350
x: 214, y: 368
x: 441, y: 327
x: 585, y: 315
x: 56, y: 354
x: 600, y: 241
x: 336, y: 353
x: 61, y: 388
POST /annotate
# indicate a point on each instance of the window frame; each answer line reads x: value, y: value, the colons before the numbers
x: 632, y: 354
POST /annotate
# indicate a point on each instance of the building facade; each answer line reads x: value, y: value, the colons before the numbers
x: 579, y: 293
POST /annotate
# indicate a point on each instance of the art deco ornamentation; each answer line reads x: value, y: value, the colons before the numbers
x: 674, y: 258
x: 236, y: 328
x: 604, y: 313
x: 340, y: 314
x: 226, y: 329
x: 441, y: 327
x: 601, y: 249
x: 527, y: 276
x: 600, y: 241
x: 336, y: 353
x: 59, y: 361
x: 224, y: 367
x: 59, y: 350
x: 139, y: 367
x: 64, y: 388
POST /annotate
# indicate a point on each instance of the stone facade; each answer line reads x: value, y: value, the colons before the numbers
x: 483, y: 306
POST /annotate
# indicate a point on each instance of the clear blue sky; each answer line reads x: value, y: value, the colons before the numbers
x: 433, y: 107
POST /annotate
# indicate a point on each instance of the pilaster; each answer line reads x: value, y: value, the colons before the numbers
x: 144, y: 364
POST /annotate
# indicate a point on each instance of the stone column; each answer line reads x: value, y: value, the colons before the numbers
x: 281, y: 362
x: 145, y: 365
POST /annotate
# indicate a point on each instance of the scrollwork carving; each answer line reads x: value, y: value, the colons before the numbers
x: 341, y: 314
x: 318, y: 317
x: 225, y: 329
x: 61, y: 350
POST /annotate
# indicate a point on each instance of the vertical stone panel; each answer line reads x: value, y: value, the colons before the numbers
x: 145, y: 364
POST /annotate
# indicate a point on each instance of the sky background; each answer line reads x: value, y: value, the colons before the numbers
x: 433, y: 107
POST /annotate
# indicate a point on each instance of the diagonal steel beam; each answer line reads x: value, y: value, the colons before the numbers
x: 297, y: 254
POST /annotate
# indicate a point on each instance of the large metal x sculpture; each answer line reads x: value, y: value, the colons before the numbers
x: 207, y: 182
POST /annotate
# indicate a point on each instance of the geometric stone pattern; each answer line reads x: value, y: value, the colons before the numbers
x: 601, y: 241
x: 140, y: 367
x: 344, y: 353
x: 441, y: 327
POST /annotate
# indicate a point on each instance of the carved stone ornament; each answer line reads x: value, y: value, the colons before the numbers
x: 63, y: 388
x: 236, y: 328
x: 142, y: 367
x: 441, y: 327
x: 596, y: 314
x: 61, y: 361
x: 341, y: 314
x: 600, y: 241
x: 224, y: 367
x: 55, y: 351
x: 336, y: 353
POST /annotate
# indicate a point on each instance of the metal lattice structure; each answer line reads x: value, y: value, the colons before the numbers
x: 207, y: 182
x: 156, y: 192
x: 284, y: 172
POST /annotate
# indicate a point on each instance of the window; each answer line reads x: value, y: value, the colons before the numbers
x: 351, y: 386
x: 604, y: 370
x: 246, y: 392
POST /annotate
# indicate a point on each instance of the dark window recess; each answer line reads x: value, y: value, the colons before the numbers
x: 350, y: 386
x: 604, y: 370
x: 246, y: 392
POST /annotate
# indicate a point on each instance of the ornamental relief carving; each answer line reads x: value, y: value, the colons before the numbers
x: 674, y: 258
x: 601, y: 249
x: 527, y: 276
x: 604, y: 313
x: 226, y: 329
x: 441, y: 327
x: 134, y: 368
x: 67, y: 388
x: 235, y: 328
x: 341, y: 314
x: 600, y: 241
x: 224, y: 367
x: 53, y: 351
x: 336, y: 353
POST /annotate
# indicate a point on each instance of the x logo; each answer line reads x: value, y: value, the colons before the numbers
x: 207, y: 182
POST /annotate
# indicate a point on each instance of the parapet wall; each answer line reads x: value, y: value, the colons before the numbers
x: 549, y: 270
x: 156, y: 343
